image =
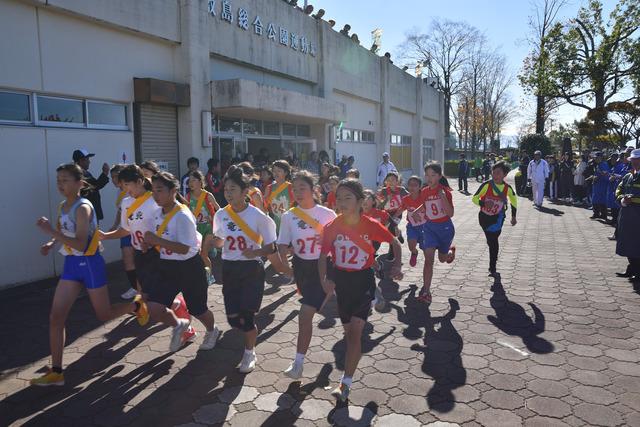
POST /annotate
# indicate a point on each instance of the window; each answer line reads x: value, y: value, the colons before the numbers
x: 304, y: 130
x: 106, y: 115
x: 368, y: 136
x: 14, y: 107
x: 288, y: 129
x: 229, y: 125
x: 401, y: 151
x: 60, y: 111
x: 252, y: 127
x: 271, y: 128
x: 427, y: 149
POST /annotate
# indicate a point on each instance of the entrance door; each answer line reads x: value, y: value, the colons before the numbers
x: 228, y: 149
x: 300, y: 149
x: 157, y: 135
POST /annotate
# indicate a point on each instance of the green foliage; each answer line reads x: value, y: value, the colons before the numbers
x: 534, y: 141
x: 451, y: 168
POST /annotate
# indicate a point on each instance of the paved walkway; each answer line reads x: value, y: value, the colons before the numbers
x: 554, y: 342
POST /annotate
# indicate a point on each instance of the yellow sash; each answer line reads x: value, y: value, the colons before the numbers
x: 200, y: 203
x: 277, y: 191
x: 93, y: 244
x: 165, y: 221
x: 137, y: 203
x: 308, y: 219
x: 253, y: 235
x: 121, y: 196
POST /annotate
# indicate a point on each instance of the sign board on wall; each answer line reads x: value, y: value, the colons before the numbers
x: 162, y: 165
x: 207, y: 131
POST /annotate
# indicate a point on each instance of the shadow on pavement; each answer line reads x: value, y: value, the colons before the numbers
x: 512, y: 319
x: 442, y: 358
x: 552, y: 211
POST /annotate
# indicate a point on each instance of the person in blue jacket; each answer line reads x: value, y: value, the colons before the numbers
x: 600, y: 186
x: 621, y: 168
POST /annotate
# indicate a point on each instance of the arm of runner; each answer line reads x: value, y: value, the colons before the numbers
x: 447, y: 202
x: 327, y: 285
x: 479, y: 193
x: 79, y: 242
x: 115, y: 234
x: 213, y: 202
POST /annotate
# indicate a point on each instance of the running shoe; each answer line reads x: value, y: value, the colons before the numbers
x: 414, y: 259
x: 50, y: 378
x: 131, y: 293
x: 142, y: 313
x: 248, y: 363
x: 451, y: 256
x: 189, y: 335
x: 210, y: 279
x: 210, y: 339
x: 294, y: 371
x: 341, y: 392
x: 176, y: 335
x: 425, y: 296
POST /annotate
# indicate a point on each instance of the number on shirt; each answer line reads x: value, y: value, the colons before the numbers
x: 352, y: 252
x: 434, y: 209
x: 138, y: 238
x: 302, y: 245
x: 239, y: 243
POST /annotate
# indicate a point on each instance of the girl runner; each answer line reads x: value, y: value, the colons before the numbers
x: 254, y: 194
x: 84, y: 267
x: 349, y: 240
x: 266, y: 178
x: 181, y: 269
x: 390, y: 200
x: 301, y: 228
x: 125, y: 242
x: 246, y: 234
x: 331, y: 195
x: 149, y: 168
x: 203, y: 206
x: 410, y: 203
x: 278, y: 197
x: 493, y: 197
x: 438, y: 230
x: 370, y: 209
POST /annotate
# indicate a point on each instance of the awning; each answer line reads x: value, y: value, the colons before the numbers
x: 249, y: 98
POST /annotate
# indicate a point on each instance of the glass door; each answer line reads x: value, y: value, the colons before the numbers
x: 300, y: 150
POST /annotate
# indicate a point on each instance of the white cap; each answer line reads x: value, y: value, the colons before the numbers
x: 635, y: 154
x: 385, y: 154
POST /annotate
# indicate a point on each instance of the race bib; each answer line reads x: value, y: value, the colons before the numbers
x: 416, y: 217
x: 492, y: 206
x: 349, y: 255
x: 434, y: 209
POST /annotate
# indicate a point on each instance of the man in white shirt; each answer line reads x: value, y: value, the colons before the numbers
x: 537, y: 172
x: 384, y: 168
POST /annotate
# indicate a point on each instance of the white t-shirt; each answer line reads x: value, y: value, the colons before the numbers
x: 235, y: 240
x: 304, y: 238
x: 140, y: 221
x: 181, y: 229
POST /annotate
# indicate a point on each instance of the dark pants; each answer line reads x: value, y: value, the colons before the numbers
x: 494, y: 247
x: 462, y: 183
x: 600, y: 210
x: 634, y: 267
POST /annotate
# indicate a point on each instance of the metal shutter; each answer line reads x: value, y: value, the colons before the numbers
x: 159, y: 135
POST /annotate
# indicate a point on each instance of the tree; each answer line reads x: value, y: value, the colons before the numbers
x: 442, y: 52
x: 624, y: 121
x: 534, y: 76
x: 590, y: 61
x: 534, y: 141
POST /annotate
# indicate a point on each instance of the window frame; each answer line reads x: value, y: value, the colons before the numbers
x: 47, y: 123
x: 29, y: 96
x: 106, y: 127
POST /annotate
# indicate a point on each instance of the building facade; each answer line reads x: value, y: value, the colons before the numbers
x: 165, y: 80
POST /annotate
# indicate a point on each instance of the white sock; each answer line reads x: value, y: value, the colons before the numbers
x: 346, y: 381
x: 299, y: 358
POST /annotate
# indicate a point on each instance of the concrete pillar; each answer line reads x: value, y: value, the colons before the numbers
x: 383, y: 142
x: 192, y: 67
x: 325, y: 137
x: 416, y: 143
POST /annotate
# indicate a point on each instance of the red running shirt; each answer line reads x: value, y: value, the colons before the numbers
x: 410, y: 204
x: 379, y: 215
x: 346, y: 254
x: 434, y: 209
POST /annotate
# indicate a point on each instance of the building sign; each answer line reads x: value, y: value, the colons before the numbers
x: 222, y: 9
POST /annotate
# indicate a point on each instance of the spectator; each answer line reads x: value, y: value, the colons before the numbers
x: 579, y: 180
x: 262, y: 158
x: 565, y: 183
x: 248, y: 158
x: 477, y: 166
x: 463, y: 174
x: 323, y: 181
x: 537, y: 173
x: 600, y: 184
x: 486, y: 167
x: 323, y: 157
x: 384, y: 168
x: 213, y: 181
x: 524, y: 164
x: 192, y: 165
x: 312, y: 164
x: 346, y: 166
x: 628, y: 237
x: 82, y: 158
x: 553, y: 178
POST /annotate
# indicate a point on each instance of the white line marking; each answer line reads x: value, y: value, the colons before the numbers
x: 513, y: 347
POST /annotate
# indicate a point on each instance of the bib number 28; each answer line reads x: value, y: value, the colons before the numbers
x: 238, y: 243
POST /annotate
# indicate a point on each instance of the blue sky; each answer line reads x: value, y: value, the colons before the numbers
x: 504, y: 22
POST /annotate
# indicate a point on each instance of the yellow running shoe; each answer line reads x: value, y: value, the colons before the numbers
x: 50, y: 378
x: 143, y: 313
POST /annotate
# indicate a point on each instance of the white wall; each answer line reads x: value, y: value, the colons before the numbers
x: 365, y: 160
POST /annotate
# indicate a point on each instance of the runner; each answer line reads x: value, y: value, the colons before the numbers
x: 246, y: 234
x: 390, y: 198
x: 84, y: 268
x: 149, y: 169
x: 438, y: 230
x: 125, y: 242
x: 349, y: 240
x: 301, y: 228
x: 254, y: 194
x: 203, y: 206
x: 493, y: 197
x: 410, y: 203
x: 181, y: 269
x: 369, y: 208
x: 278, y: 197
x: 331, y: 195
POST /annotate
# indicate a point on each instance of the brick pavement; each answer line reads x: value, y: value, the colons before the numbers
x: 554, y: 342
